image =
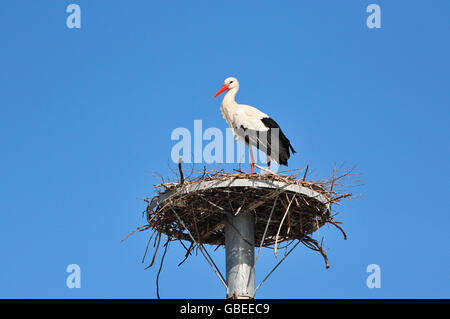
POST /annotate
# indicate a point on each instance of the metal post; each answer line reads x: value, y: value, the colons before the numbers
x: 240, y: 255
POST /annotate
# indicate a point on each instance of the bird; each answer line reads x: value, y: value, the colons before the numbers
x: 254, y: 127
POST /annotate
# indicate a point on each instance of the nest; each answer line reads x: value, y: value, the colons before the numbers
x: 286, y: 208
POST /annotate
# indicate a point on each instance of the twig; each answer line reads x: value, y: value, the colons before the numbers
x: 265, y: 230
x: 146, y: 248
x: 281, y: 224
x: 306, y: 172
x: 314, y: 245
x: 180, y: 169
x: 188, y: 253
x: 140, y: 228
x: 268, y: 171
x: 239, y: 209
x: 160, y: 266
x: 154, y: 255
x: 279, y: 263
x: 333, y: 180
x: 216, y: 270
x: 332, y: 222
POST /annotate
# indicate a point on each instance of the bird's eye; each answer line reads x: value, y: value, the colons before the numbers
x: 231, y: 82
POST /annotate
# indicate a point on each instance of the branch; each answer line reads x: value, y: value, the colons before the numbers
x: 181, y: 172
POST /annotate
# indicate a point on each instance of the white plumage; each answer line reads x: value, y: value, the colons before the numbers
x: 253, y: 127
x: 238, y: 115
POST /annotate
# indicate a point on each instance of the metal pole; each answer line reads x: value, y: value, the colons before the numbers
x: 240, y: 255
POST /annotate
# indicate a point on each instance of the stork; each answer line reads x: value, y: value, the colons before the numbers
x: 254, y: 127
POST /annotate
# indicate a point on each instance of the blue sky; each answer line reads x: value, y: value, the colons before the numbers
x: 86, y: 118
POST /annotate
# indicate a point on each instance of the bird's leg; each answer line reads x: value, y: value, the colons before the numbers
x: 252, y: 161
x: 268, y: 164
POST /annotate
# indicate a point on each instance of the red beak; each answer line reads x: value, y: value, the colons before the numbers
x: 222, y: 89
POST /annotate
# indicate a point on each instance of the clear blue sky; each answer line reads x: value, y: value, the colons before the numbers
x: 86, y: 117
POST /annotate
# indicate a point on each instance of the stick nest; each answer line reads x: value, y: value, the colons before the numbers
x: 199, y: 216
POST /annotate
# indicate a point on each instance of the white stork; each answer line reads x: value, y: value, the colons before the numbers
x: 254, y: 127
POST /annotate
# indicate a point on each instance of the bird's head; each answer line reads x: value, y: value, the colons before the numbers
x: 228, y: 84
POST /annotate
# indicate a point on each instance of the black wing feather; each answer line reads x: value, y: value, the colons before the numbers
x: 265, y: 143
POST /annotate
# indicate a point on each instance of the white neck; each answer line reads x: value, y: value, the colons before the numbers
x: 229, y: 96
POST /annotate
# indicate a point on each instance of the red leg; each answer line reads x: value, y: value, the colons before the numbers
x: 252, y: 160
